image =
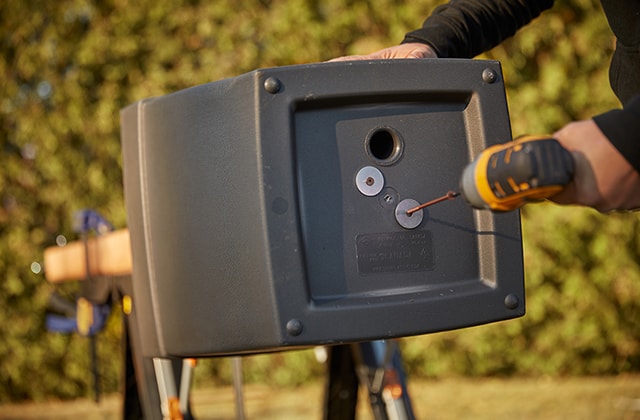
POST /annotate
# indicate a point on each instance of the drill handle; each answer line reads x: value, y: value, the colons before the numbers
x: 530, y: 164
x: 531, y: 168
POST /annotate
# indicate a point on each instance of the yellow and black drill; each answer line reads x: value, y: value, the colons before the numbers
x: 506, y: 176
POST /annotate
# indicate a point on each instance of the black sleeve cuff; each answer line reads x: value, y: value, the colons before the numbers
x: 622, y: 128
x: 466, y: 28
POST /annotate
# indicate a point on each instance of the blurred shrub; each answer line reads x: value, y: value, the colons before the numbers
x: 583, y: 318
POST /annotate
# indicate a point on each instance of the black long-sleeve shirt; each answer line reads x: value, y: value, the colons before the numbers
x: 466, y: 28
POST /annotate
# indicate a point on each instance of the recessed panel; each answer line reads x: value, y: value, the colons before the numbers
x: 354, y: 244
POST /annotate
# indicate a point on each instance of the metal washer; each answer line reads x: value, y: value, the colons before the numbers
x: 369, y: 181
x: 406, y: 221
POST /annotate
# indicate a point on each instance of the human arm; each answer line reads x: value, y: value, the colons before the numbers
x: 605, y: 148
x: 462, y: 29
x: 607, y: 156
x: 466, y: 28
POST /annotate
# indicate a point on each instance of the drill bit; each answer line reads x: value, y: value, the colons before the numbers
x: 448, y: 196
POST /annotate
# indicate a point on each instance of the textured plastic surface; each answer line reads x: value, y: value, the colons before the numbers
x: 249, y: 232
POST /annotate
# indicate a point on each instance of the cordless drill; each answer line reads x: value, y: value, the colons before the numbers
x: 506, y: 176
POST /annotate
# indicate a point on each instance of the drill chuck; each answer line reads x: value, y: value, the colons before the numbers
x: 468, y: 188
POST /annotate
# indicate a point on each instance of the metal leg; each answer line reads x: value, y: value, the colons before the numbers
x: 169, y: 401
x: 341, y: 392
x: 141, y: 397
x: 380, y: 369
x: 185, y: 385
x: 174, y: 397
x: 93, y: 344
x: 236, y: 363
x: 132, y: 404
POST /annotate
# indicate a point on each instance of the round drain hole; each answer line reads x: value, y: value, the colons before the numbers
x: 384, y: 145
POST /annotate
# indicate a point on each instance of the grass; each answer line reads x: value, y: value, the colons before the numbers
x: 456, y: 398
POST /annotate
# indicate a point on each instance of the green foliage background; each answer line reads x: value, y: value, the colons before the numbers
x: 68, y: 66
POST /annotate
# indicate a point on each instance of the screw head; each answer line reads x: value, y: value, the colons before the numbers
x: 272, y: 85
x: 489, y: 76
x: 294, y: 327
x: 511, y: 301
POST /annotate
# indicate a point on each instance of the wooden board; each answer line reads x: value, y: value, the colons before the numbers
x: 109, y: 255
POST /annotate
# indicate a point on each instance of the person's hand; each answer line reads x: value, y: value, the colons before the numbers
x: 603, y: 178
x: 410, y: 50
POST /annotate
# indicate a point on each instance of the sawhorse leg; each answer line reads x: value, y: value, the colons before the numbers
x: 174, y: 396
x: 142, y: 389
x: 377, y: 365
